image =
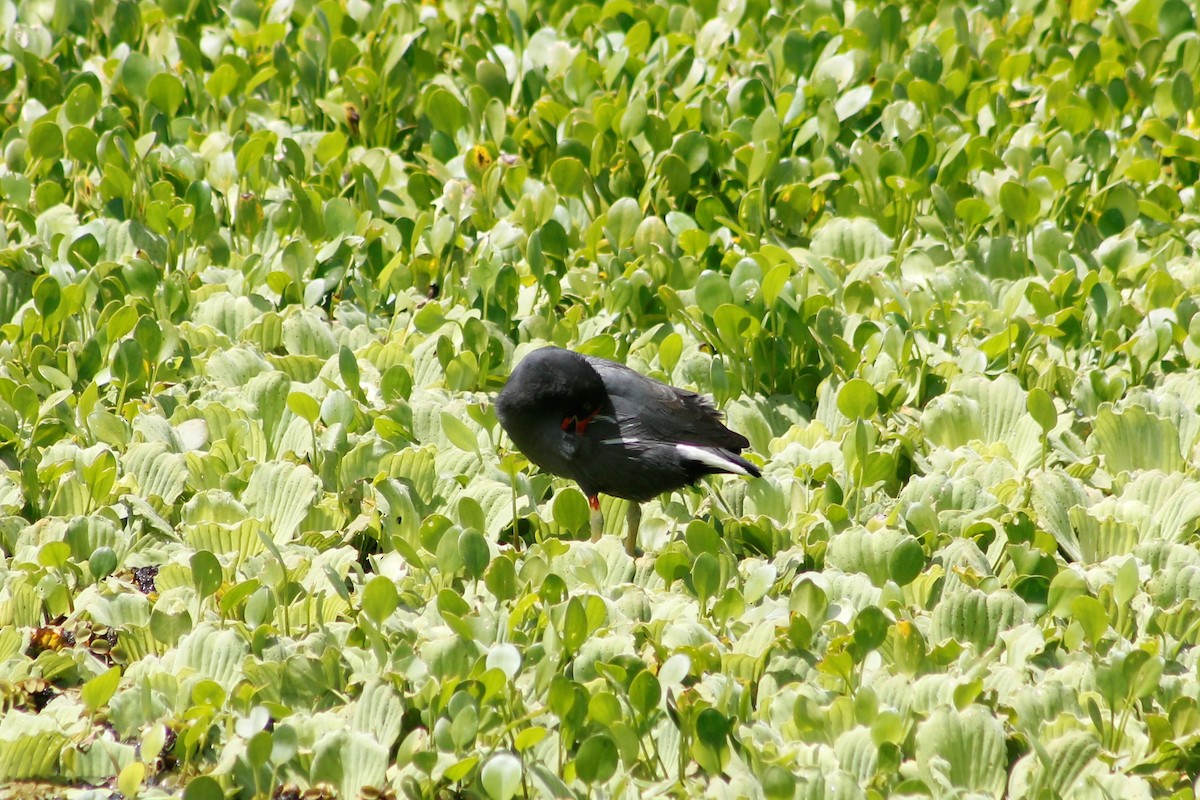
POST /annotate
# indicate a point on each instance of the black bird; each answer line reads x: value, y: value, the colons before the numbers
x: 613, y: 430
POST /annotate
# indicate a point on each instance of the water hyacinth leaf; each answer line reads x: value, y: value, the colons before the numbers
x: 623, y: 219
x: 46, y: 140
x: 645, y: 693
x: 284, y: 744
x: 851, y: 241
x: 870, y: 630
x: 203, y: 788
x: 458, y: 434
x: 857, y: 399
x: 906, y: 561
x: 1058, y: 767
x: 475, y: 552
x: 567, y: 175
x: 81, y: 104
x: 99, y: 690
x: 936, y: 277
x: 1019, y: 203
x: 102, y: 563
x: 852, y: 102
x: 127, y: 364
x: 575, y: 626
x: 597, y: 759
x: 501, y: 579
x: 501, y: 776
x: 1041, y: 408
x: 712, y: 292
x: 971, y: 617
x: 130, y: 779
x: 348, y: 366
x: 380, y: 599
x: 135, y: 74
x: 282, y: 493
x: 706, y: 577
x: 166, y: 91
x: 1091, y: 616
x: 206, y: 573
x: 964, y: 749
x: 1136, y: 439
x: 304, y: 406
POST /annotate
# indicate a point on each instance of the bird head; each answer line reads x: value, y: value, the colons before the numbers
x: 554, y: 385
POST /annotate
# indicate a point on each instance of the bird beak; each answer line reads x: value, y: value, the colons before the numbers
x: 578, y: 425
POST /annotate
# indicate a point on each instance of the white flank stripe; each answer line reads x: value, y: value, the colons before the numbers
x: 693, y: 453
x: 620, y: 440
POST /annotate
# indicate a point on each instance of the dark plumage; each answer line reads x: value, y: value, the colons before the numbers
x: 613, y: 430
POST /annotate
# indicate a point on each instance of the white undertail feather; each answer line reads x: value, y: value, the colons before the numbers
x: 714, y: 460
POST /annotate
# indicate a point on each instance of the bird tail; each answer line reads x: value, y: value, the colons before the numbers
x: 707, y: 460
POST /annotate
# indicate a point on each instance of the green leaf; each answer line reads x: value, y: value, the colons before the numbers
x: 1041, y: 408
x: 645, y: 693
x: 102, y: 563
x: 444, y: 110
x: 712, y: 729
x: 623, y: 219
x: 966, y: 750
x: 1018, y: 203
x: 458, y: 433
x: 304, y: 406
x: 596, y: 761
x: 127, y: 364
x: 778, y: 783
x: 380, y: 598
x: 567, y: 174
x: 906, y: 561
x: 1091, y: 615
x: 81, y: 144
x: 46, y: 140
x: 348, y: 366
x: 712, y: 292
x: 706, y: 577
x: 81, y: 104
x: 501, y: 776
x: 206, y: 573
x: 203, y: 788
x: 972, y: 211
x: 870, y: 630
x: 54, y: 554
x: 857, y: 399
x: 575, y: 627
x: 135, y: 73
x: 166, y: 91
x: 475, y: 553
x: 570, y: 509
x: 99, y: 690
x: 501, y: 578
x: 852, y: 102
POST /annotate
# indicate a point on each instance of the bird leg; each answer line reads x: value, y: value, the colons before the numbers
x: 634, y: 517
x: 597, y: 518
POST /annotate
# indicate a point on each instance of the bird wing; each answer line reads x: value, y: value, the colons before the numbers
x: 644, y: 407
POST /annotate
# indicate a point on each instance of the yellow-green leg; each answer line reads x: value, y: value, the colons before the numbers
x: 634, y: 518
x: 596, y: 518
